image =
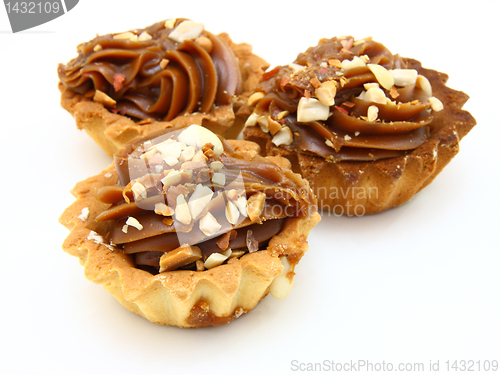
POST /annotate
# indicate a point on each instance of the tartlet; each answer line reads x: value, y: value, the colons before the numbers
x: 187, y: 229
x: 172, y: 73
x: 367, y: 129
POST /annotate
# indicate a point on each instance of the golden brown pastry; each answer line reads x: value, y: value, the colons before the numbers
x: 172, y: 73
x: 187, y: 229
x: 367, y: 129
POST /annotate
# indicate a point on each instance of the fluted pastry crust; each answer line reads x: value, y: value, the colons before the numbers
x: 182, y: 298
x: 365, y: 187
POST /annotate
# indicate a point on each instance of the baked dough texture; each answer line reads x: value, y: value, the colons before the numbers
x: 111, y: 131
x: 181, y: 298
x: 366, y: 187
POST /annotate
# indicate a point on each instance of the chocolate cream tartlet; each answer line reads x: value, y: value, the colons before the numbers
x: 171, y: 73
x: 188, y: 229
x: 367, y: 129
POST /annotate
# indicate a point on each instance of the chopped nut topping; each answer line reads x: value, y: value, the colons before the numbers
x: 164, y: 63
x: 356, y: 62
x: 163, y: 209
x: 125, y: 228
x: 204, y: 43
x: 187, y: 30
x: 133, y: 222
x: 252, y: 119
x: 326, y: 93
x: 263, y: 121
x: 375, y: 95
x: 347, y: 137
x: 404, y: 77
x: 315, y: 82
x: 219, y: 179
x: 182, y: 210
x: 255, y: 97
x: 126, y: 35
x: 372, y: 113
x: 283, y: 137
x: 199, y: 157
x: 196, y: 135
x: 424, y: 85
x: 282, y: 114
x: 255, y: 205
x: 84, y: 214
x: 334, y: 62
x: 296, y: 67
x: 311, y: 110
x: 209, y: 225
x: 139, y: 191
x: 97, y: 47
x: 216, y: 259
x: 283, y: 283
x: 187, y: 154
x: 241, y: 203
x: 179, y: 257
x: 199, y: 200
x: 216, y: 165
x: 232, y: 213
x: 200, y: 266
x: 100, y: 97
x: 329, y: 143
x: 273, y: 126
x: 382, y: 75
x: 145, y: 36
x: 170, y: 23
x: 436, y: 104
x: 172, y: 178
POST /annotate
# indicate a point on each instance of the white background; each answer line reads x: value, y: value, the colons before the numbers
x: 413, y: 284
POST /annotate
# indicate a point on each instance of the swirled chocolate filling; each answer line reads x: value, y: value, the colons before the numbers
x: 345, y: 100
x: 168, y: 69
x: 186, y: 200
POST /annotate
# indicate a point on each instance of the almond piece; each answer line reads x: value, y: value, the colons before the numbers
x: 126, y: 35
x: 179, y: 257
x: 232, y: 213
x: 273, y: 126
x: 170, y: 23
x: 172, y: 178
x: 133, y: 222
x: 163, y: 209
x: 255, y: 97
x: 372, y: 113
x: 310, y: 109
x: 100, y: 97
x: 375, y: 95
x: 219, y: 179
x: 196, y: 135
x: 204, y: 43
x: 209, y: 225
x: 145, y: 36
x: 424, y: 85
x: 283, y: 137
x: 356, y: 62
x: 382, y: 75
x: 182, y: 213
x: 326, y: 93
x: 283, y: 283
x: 436, y: 104
x: 404, y: 77
x: 255, y: 205
x: 252, y: 120
x: 187, y: 30
x: 139, y: 191
x: 216, y: 259
x: 199, y: 200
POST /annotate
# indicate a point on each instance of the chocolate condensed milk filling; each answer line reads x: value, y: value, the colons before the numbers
x: 168, y: 69
x: 186, y: 200
x: 346, y: 100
